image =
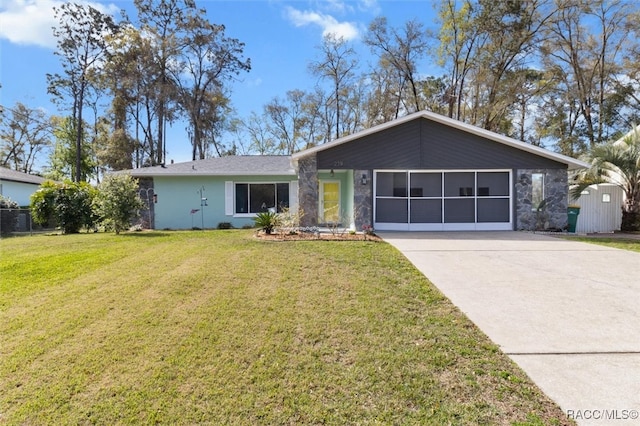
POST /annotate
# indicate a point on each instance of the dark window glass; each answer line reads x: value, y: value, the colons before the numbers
x: 242, y: 198
x: 282, y: 194
x: 260, y: 197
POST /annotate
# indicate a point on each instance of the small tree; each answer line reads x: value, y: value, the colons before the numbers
x: 68, y: 204
x: 118, y: 201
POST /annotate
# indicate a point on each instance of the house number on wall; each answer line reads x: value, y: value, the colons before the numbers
x: 338, y: 164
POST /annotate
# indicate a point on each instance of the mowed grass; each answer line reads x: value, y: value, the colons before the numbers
x: 220, y: 328
x: 620, y: 243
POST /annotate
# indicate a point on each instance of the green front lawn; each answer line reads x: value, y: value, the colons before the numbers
x: 624, y: 244
x: 217, y: 327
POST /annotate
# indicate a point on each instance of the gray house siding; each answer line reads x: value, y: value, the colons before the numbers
x: 423, y: 144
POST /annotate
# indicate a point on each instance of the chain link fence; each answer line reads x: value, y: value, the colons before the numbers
x: 15, y: 222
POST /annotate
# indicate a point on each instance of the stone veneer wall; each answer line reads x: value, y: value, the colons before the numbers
x: 308, y: 190
x: 147, y: 213
x: 362, y: 199
x: 554, y: 216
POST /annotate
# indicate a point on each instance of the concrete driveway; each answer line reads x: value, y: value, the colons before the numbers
x: 567, y: 313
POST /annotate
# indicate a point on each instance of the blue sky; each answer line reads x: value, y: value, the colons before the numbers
x: 280, y: 39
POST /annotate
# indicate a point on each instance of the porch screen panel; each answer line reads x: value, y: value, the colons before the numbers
x: 425, y: 185
x: 426, y: 211
x: 493, y: 210
x: 459, y: 210
x: 459, y: 184
x: 493, y: 197
x: 389, y: 210
x: 492, y: 184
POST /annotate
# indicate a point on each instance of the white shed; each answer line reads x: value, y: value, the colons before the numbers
x: 600, y: 209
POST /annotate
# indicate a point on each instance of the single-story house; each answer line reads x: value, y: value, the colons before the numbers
x: 422, y: 172
x: 18, y: 186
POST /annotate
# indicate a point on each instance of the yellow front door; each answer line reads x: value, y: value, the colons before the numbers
x: 330, y: 208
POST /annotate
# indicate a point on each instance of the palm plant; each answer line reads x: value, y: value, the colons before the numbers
x: 267, y: 221
x: 617, y: 163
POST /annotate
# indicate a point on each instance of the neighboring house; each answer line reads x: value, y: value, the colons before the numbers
x: 18, y: 186
x: 421, y: 172
x: 600, y: 209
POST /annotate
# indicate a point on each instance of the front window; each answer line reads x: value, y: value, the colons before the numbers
x: 251, y: 198
x: 537, y: 190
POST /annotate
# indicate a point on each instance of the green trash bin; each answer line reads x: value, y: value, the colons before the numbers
x: 573, y: 213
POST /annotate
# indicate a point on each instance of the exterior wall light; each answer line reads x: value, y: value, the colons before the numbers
x: 363, y: 179
x: 155, y: 198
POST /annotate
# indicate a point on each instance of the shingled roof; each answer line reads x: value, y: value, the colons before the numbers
x: 15, y: 176
x: 234, y: 165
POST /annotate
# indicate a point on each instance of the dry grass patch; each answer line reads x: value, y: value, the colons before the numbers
x: 220, y: 328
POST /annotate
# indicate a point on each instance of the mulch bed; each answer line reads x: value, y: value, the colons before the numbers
x: 310, y: 236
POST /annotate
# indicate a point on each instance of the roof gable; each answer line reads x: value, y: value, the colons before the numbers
x: 454, y: 124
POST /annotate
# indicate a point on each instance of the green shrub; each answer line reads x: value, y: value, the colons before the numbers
x: 225, y: 225
x: 118, y: 202
x: 68, y: 205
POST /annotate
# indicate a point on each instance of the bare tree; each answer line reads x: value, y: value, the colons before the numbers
x: 583, y: 51
x: 24, y: 135
x: 337, y: 64
x: 401, y: 49
x: 207, y: 61
x: 82, y: 47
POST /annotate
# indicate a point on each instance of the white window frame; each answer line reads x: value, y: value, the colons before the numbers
x: 230, y: 195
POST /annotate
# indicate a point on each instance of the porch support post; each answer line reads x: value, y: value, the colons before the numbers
x: 308, y: 192
x: 362, y: 198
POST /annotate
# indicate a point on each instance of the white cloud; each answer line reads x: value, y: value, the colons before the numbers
x: 30, y: 22
x: 371, y: 6
x: 255, y: 82
x: 328, y: 23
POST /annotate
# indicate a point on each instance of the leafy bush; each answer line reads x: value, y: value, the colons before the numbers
x: 118, y: 202
x: 43, y: 203
x: 68, y: 204
x: 225, y: 225
x: 267, y: 221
